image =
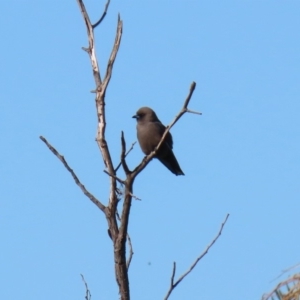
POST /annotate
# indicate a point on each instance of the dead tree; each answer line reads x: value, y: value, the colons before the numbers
x: 118, y: 224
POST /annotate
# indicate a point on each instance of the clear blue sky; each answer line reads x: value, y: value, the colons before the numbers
x: 240, y: 157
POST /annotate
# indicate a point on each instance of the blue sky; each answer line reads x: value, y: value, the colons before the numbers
x: 240, y: 157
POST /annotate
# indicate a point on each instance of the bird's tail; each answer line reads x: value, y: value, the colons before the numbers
x: 171, y: 163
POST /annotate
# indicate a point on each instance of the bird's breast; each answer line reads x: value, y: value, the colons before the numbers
x: 148, y: 136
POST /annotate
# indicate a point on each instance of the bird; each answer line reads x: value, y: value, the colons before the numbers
x: 149, y: 133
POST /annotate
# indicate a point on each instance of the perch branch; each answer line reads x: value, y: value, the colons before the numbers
x: 77, y: 181
x: 184, y: 109
x: 173, y: 285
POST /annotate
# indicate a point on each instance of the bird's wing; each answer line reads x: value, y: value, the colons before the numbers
x: 170, y: 161
x: 169, y: 139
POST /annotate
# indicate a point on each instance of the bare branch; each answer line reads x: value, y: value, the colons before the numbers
x: 173, y: 275
x: 184, y: 109
x: 132, y: 145
x: 204, y: 253
x: 193, y: 112
x: 77, y: 181
x: 100, y: 91
x: 100, y: 95
x: 173, y: 285
x: 88, y: 51
x: 100, y: 101
x: 130, y: 251
x: 115, y: 177
x: 113, y: 55
x: 103, y: 15
x: 123, y: 154
x: 91, y: 48
x: 188, y: 98
x: 88, y: 295
x: 135, y: 197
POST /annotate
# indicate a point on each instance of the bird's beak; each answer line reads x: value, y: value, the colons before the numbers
x: 135, y: 117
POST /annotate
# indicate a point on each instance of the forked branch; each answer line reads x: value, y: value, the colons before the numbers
x: 174, y: 284
x: 88, y: 295
x: 130, y: 176
x: 124, y: 153
x: 118, y: 239
x: 113, y: 55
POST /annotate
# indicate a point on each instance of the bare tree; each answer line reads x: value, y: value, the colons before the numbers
x: 118, y: 224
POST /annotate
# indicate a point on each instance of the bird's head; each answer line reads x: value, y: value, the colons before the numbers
x: 145, y: 114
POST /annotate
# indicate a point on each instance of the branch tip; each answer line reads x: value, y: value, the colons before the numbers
x: 193, y: 85
x: 86, y: 49
x: 103, y: 15
x: 173, y: 285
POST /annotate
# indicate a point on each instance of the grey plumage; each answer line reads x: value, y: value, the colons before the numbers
x: 149, y: 133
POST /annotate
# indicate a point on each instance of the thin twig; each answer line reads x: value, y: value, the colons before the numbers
x: 103, y: 15
x: 88, y: 295
x: 287, y: 270
x: 188, y: 98
x: 173, y: 285
x: 135, y: 197
x: 130, y: 149
x: 115, y: 177
x: 119, y: 240
x: 100, y: 100
x: 77, y: 181
x: 173, y: 274
x: 193, y: 112
x: 123, y: 154
x: 113, y: 54
x: 130, y: 251
x: 91, y: 48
